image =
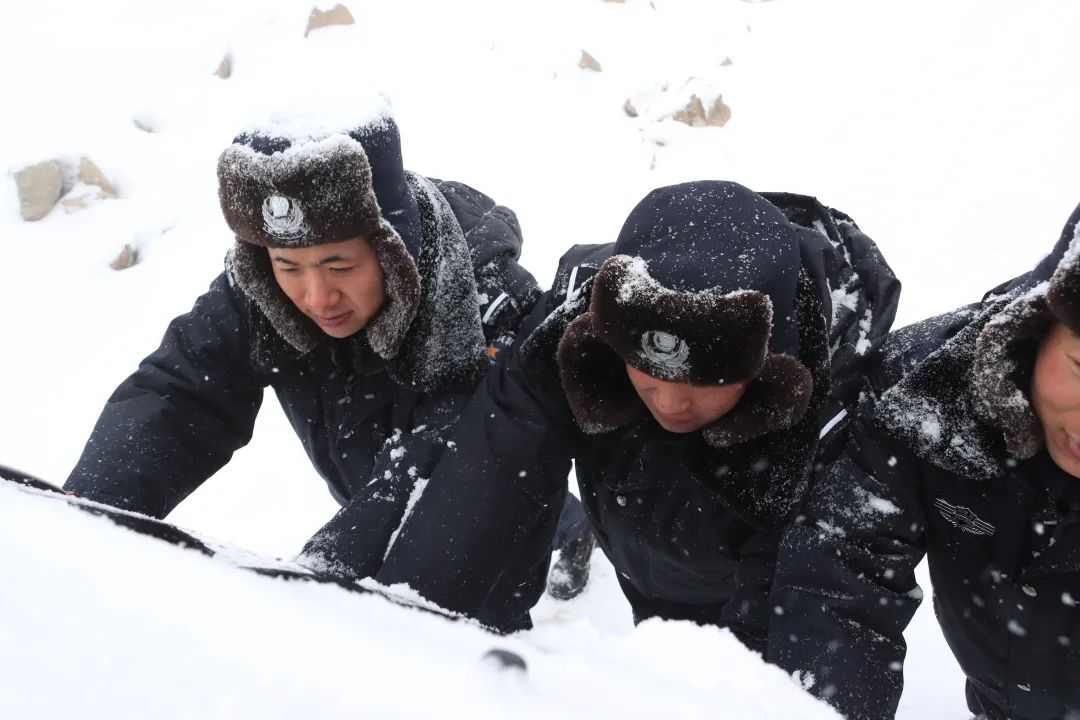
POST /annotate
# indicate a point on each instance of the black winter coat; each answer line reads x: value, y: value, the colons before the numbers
x: 684, y: 544
x: 373, y: 430
x: 927, y: 472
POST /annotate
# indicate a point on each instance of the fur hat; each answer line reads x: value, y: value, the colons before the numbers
x: 283, y: 188
x: 724, y: 313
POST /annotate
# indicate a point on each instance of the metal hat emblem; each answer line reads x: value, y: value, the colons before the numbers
x: 283, y: 218
x: 664, y: 349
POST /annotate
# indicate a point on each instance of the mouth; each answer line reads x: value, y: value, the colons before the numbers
x: 675, y: 423
x: 332, y: 320
x: 1072, y: 442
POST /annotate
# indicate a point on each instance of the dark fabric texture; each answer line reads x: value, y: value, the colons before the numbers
x: 691, y: 528
x: 374, y: 429
x: 948, y: 463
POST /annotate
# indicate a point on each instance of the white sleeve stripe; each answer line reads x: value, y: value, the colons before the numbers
x: 573, y: 279
x: 493, y: 307
x: 832, y: 423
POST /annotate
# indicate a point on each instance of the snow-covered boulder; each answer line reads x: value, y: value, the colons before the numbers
x: 40, y: 187
x: 337, y: 15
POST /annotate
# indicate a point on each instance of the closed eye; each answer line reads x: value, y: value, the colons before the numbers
x: 341, y: 270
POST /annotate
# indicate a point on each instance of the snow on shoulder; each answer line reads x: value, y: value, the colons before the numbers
x: 120, y: 620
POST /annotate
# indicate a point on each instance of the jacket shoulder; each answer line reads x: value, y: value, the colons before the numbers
x: 904, y: 349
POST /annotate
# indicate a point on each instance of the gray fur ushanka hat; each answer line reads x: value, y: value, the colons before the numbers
x: 701, y: 289
x: 290, y: 185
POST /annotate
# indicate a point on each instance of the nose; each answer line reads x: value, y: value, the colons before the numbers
x: 320, y: 295
x: 672, y: 400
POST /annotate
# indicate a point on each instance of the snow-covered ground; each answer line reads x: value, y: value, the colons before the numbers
x: 943, y: 128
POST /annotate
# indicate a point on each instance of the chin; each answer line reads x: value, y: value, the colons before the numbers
x: 1064, y: 460
x: 679, y: 428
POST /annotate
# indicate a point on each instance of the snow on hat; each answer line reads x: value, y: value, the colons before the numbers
x: 702, y: 291
x: 302, y: 180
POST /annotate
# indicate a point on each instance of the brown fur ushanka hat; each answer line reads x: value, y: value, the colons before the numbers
x: 283, y: 189
x: 702, y: 291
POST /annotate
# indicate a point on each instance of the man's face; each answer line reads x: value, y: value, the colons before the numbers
x: 682, y: 407
x: 1055, y: 393
x: 338, y: 285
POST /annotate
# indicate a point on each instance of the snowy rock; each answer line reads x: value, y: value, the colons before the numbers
x: 127, y: 257
x: 148, y: 120
x: 91, y: 174
x: 224, y: 70
x: 91, y: 186
x: 694, y: 113
x: 697, y: 103
x: 40, y: 187
x: 588, y: 62
x: 337, y: 15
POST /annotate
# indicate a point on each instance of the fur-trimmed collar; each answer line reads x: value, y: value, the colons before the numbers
x: 967, y: 408
x: 429, y: 333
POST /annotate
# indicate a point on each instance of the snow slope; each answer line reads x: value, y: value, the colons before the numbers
x: 942, y: 128
x: 98, y: 621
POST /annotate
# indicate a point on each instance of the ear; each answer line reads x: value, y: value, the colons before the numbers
x: 775, y: 400
x: 594, y: 379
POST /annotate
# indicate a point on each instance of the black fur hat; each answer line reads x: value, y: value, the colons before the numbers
x: 283, y: 188
x: 722, y: 313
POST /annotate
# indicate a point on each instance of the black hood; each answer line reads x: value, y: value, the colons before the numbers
x: 718, y: 235
x: 966, y: 406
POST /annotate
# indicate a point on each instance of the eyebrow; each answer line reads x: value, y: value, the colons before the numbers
x: 323, y: 261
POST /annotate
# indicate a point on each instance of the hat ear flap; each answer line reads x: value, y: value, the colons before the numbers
x: 776, y: 399
x: 594, y: 379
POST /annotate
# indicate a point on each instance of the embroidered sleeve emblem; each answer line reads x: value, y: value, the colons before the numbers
x: 963, y: 518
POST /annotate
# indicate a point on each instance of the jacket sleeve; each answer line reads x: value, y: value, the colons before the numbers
x: 749, y: 612
x: 478, y: 539
x: 178, y: 418
x: 354, y: 543
x: 845, y: 585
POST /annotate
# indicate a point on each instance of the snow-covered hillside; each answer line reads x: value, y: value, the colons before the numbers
x: 943, y: 128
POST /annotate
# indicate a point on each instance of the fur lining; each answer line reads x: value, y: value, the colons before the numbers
x: 705, y: 338
x: 444, y: 347
x: 597, y: 387
x: 1063, y: 296
x: 947, y: 410
x: 775, y: 400
x: 1000, y: 383
x: 401, y: 285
